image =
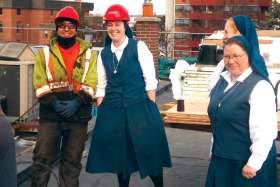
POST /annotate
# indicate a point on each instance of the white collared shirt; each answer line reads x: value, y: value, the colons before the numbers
x: 216, y: 74
x: 263, y: 118
x: 145, y: 59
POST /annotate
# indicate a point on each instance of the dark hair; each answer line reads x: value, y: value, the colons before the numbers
x: 240, y: 43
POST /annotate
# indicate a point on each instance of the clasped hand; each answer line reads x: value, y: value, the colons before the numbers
x: 248, y: 172
x: 66, y: 108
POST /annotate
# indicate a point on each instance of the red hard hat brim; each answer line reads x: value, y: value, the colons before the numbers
x: 116, y: 12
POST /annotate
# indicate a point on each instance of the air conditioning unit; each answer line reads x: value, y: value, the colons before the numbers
x: 16, y: 86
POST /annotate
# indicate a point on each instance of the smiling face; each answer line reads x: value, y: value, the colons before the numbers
x: 236, y: 59
x: 66, y: 29
x: 116, y: 31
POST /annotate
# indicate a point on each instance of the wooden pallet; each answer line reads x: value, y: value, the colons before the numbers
x: 196, y: 120
x: 196, y: 98
x: 172, y: 116
x: 184, y: 120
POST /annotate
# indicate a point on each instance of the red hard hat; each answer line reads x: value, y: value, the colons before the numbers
x: 116, y: 12
x: 68, y: 12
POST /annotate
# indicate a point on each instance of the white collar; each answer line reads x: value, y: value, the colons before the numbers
x: 121, y: 47
x: 240, y: 78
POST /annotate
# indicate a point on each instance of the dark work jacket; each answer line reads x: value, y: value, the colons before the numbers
x: 46, y: 110
x: 229, y: 116
x: 127, y: 86
x: 8, y: 171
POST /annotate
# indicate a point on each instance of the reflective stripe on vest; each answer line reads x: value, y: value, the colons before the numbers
x: 47, y: 57
x: 88, y: 55
x: 64, y: 84
x: 60, y: 84
x: 42, y: 90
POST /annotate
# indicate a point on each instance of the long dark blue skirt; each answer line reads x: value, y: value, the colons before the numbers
x: 228, y: 173
x: 129, y: 139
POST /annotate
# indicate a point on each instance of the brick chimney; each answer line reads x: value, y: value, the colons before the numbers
x: 147, y: 28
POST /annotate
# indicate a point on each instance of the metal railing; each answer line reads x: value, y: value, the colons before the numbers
x: 30, y: 115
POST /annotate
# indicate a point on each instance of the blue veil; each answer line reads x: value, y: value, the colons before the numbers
x: 247, y: 28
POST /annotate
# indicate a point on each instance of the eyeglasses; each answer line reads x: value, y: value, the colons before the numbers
x: 67, y: 25
x: 234, y: 57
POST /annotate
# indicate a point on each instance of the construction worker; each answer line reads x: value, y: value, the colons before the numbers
x: 8, y: 171
x: 129, y: 134
x: 64, y: 80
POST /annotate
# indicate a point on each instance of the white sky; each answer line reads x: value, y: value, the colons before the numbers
x: 134, y: 7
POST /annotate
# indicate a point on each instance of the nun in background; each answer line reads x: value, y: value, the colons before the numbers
x: 242, y: 112
x: 234, y: 26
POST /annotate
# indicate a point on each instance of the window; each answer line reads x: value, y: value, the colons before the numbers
x: 18, y: 27
x: 228, y: 8
x: 197, y: 36
x: 254, y: 9
x: 199, y: 9
x: 182, y: 36
x: 1, y: 11
x: 198, y: 23
x: 183, y: 22
x: 216, y: 24
x: 214, y: 8
x: 183, y: 8
x: 187, y: 8
x: 179, y: 8
x: 18, y: 11
x: 1, y: 27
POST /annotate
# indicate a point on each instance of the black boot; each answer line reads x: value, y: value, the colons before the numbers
x: 123, y: 182
x: 157, y: 180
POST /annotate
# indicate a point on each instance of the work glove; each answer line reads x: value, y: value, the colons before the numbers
x: 70, y: 107
x: 57, y: 105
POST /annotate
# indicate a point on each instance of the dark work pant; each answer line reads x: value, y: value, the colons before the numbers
x: 68, y: 139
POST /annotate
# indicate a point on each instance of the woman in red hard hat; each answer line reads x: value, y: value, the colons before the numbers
x: 64, y: 79
x: 129, y: 135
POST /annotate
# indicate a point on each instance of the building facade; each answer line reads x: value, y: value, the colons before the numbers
x: 32, y: 21
x: 191, y: 20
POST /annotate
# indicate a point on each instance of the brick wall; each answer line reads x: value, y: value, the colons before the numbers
x: 37, y: 25
x: 148, y: 30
